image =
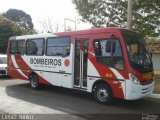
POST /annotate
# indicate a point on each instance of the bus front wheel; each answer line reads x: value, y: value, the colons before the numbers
x: 103, y: 94
x: 34, y: 82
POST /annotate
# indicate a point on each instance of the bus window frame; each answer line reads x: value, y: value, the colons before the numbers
x: 17, y: 47
x: 59, y: 46
x: 97, y: 40
x: 43, y: 48
x: 10, y: 45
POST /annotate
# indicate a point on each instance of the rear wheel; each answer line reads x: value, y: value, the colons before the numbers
x: 103, y: 94
x: 34, y: 82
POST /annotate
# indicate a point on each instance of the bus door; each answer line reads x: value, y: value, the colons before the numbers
x: 80, y: 62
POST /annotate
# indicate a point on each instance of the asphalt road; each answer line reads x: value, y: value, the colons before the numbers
x: 16, y: 97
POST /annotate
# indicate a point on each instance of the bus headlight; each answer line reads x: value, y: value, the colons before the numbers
x: 134, y: 79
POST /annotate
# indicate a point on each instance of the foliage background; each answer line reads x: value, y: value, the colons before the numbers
x: 106, y: 13
x: 10, y: 27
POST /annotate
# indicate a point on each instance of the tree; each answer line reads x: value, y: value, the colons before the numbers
x: 9, y: 28
x: 49, y: 27
x: 114, y: 13
x: 23, y: 20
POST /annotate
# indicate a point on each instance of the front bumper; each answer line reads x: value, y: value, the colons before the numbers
x: 134, y: 91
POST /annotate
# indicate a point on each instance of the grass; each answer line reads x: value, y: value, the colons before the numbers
x: 157, y: 84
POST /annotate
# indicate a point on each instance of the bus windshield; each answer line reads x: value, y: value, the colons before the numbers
x: 138, y: 53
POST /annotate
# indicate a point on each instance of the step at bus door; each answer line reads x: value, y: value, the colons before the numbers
x: 80, y: 63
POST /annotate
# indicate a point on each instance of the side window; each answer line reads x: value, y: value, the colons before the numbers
x: 13, y: 47
x: 17, y: 47
x: 21, y: 47
x: 35, y: 47
x: 109, y: 52
x: 58, y: 46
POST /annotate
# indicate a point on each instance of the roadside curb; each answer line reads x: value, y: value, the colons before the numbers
x: 155, y: 96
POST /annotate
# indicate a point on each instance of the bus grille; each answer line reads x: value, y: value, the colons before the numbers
x: 146, y: 90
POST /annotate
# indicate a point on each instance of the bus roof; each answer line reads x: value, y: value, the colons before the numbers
x: 67, y: 33
x: 43, y: 35
x: 91, y: 31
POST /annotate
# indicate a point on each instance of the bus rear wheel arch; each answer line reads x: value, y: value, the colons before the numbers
x: 103, y: 93
x: 34, y: 81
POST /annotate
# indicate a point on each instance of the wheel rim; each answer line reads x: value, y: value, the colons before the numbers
x: 34, y: 82
x: 102, y: 94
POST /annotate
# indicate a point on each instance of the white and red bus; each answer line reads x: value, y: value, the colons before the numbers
x: 110, y: 62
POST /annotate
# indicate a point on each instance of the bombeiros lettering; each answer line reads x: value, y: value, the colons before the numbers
x: 40, y: 61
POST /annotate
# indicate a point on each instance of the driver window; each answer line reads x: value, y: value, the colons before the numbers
x: 108, y: 52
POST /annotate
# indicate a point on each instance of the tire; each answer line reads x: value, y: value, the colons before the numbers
x: 34, y: 82
x: 103, y: 94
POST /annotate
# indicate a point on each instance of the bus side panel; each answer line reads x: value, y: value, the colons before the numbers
x: 55, y: 70
x: 110, y: 75
x: 68, y: 65
x: 43, y: 77
x: 13, y: 62
x: 118, y: 87
x: 13, y: 69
